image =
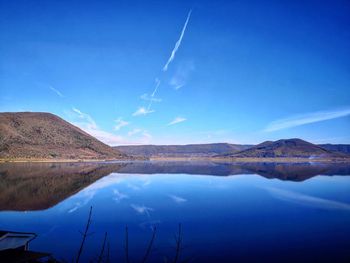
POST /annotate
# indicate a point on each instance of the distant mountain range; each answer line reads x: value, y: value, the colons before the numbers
x: 37, y: 135
x: 344, y: 148
x: 44, y: 136
x: 296, y: 148
x: 288, y: 148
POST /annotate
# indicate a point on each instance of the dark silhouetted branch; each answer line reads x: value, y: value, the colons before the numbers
x: 127, y: 245
x: 85, y: 234
x: 178, y: 240
x: 108, y: 247
x: 150, y: 245
x: 99, y: 260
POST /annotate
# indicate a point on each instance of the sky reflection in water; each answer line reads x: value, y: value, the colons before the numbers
x: 225, y: 218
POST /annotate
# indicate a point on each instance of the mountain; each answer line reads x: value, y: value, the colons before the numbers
x: 286, y: 148
x: 37, y: 135
x: 343, y: 148
x: 190, y: 150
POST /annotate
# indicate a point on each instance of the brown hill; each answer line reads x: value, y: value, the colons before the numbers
x: 37, y: 135
x: 190, y: 150
x: 286, y: 148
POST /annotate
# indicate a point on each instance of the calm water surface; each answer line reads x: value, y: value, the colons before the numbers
x: 228, y: 212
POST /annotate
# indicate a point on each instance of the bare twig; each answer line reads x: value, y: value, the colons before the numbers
x: 108, y: 259
x: 102, y: 249
x: 178, y: 240
x: 85, y: 234
x: 150, y: 245
x: 127, y: 244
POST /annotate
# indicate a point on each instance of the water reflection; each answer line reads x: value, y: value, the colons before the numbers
x: 37, y: 186
x: 233, y: 216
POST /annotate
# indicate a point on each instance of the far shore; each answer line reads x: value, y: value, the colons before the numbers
x: 183, y: 159
x: 32, y: 160
x: 253, y: 160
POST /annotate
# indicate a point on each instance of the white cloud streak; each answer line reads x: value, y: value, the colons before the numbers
x: 87, y: 124
x: 142, y: 111
x: 120, y: 124
x: 87, y: 120
x: 179, y: 79
x: 153, y: 93
x: 307, y: 118
x: 177, y: 120
x: 58, y: 93
x: 134, y: 131
x: 147, y: 97
x: 178, y: 43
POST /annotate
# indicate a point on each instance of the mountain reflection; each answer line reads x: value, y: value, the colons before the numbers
x: 282, y: 171
x: 38, y: 186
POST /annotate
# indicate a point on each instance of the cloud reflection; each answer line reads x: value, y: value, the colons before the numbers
x: 118, y: 196
x: 141, y: 209
x: 307, y: 200
x: 178, y: 199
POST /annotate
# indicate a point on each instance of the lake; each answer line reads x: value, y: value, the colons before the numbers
x: 258, y: 212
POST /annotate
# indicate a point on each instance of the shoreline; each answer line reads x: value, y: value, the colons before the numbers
x: 181, y: 159
x: 23, y: 160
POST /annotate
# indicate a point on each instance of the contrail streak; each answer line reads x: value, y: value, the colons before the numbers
x: 178, y: 43
x: 153, y: 94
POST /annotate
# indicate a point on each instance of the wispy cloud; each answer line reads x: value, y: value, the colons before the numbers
x: 153, y: 94
x: 58, y: 93
x: 179, y: 79
x: 307, y: 118
x: 140, y: 136
x: 307, y: 200
x: 177, y: 120
x: 87, y: 124
x: 120, y: 124
x: 147, y: 97
x: 87, y: 120
x: 134, y: 131
x: 178, y: 199
x: 178, y: 42
x: 147, y: 135
x: 150, y: 98
x: 142, y: 111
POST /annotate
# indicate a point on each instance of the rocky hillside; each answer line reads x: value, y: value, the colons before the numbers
x: 286, y: 148
x: 37, y: 135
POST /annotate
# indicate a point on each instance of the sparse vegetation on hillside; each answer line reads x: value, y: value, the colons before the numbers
x: 34, y: 135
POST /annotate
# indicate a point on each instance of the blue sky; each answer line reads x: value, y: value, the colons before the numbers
x: 177, y: 72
